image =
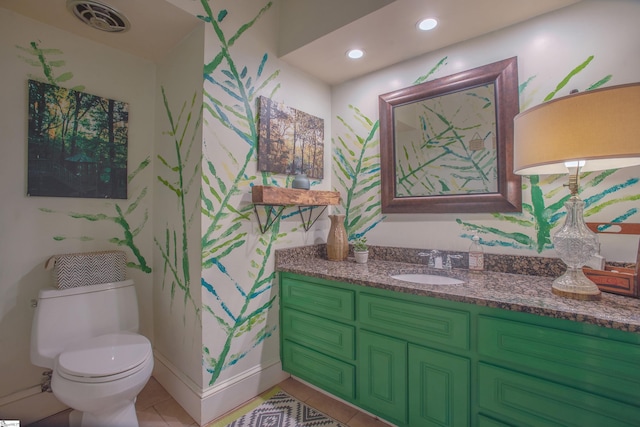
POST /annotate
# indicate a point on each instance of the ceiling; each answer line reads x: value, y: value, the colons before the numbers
x: 386, y: 31
x: 156, y: 25
x: 388, y: 35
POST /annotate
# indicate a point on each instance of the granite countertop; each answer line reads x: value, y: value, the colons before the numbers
x: 517, y: 292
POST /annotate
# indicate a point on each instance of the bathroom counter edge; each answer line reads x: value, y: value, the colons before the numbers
x: 516, y: 292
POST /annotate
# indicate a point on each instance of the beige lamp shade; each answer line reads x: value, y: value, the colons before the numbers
x: 600, y: 127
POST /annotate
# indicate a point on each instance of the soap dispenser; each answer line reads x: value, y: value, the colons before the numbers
x: 476, y: 255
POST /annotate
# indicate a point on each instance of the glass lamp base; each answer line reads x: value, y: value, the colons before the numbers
x: 574, y: 284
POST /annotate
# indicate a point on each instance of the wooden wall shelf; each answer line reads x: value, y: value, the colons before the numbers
x: 264, y: 195
x: 276, y: 196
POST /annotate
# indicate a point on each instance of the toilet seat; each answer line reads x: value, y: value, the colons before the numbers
x: 104, y: 358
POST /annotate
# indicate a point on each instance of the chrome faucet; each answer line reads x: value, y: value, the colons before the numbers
x: 436, y: 259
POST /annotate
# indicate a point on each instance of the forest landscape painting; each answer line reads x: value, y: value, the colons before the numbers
x: 290, y: 141
x: 77, y: 144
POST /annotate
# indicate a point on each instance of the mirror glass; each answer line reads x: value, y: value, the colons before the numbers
x: 447, y: 145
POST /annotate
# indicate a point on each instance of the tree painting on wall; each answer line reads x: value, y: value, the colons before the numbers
x: 77, y: 144
x: 291, y: 141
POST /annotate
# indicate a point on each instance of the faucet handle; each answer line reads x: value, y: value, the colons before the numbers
x: 430, y: 255
x: 435, y: 259
x: 448, y: 264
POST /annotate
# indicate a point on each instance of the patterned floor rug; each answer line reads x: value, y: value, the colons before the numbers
x: 282, y: 410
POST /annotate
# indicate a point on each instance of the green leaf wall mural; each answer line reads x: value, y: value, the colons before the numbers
x: 239, y: 307
x: 179, y: 175
x: 459, y: 149
x: 40, y: 58
x: 533, y: 227
x: 546, y: 209
x: 356, y: 163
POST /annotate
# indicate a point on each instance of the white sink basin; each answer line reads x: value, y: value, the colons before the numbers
x: 427, y: 279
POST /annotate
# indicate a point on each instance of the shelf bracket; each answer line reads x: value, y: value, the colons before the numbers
x: 269, y: 221
x: 307, y: 224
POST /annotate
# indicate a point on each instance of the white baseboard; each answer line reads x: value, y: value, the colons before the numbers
x: 228, y: 395
x: 30, y: 405
x: 178, y: 385
x: 221, y: 398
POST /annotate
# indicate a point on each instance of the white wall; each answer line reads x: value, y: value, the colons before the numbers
x: 548, y: 49
x: 26, y: 231
x: 178, y: 326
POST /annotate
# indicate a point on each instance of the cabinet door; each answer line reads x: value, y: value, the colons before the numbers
x: 382, y: 376
x: 439, y: 391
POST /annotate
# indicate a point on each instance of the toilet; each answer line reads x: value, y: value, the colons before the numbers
x: 88, y: 336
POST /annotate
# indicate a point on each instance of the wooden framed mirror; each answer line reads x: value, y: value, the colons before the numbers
x: 446, y: 145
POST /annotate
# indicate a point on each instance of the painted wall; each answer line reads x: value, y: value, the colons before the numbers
x: 556, y: 53
x: 204, y: 270
x: 34, y: 228
x: 176, y: 214
x: 240, y: 350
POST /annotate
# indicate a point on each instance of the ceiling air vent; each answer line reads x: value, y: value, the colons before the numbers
x: 99, y: 15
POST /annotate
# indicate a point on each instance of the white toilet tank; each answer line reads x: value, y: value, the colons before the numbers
x: 66, y: 315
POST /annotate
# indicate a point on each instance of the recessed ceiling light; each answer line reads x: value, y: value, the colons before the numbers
x: 427, y: 24
x: 355, y: 53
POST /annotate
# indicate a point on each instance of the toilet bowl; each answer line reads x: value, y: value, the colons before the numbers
x: 101, y: 377
x: 88, y: 338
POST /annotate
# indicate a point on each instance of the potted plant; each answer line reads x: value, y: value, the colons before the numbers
x: 360, y: 250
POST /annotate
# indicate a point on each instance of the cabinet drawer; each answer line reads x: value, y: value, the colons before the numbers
x: 526, y: 400
x: 595, y: 364
x: 323, y: 371
x: 327, y: 301
x: 415, y: 321
x: 318, y: 333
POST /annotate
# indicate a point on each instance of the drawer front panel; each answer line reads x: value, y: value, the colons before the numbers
x: 323, y: 371
x: 326, y: 301
x: 525, y: 400
x: 318, y: 333
x: 415, y: 321
x: 439, y: 393
x: 597, y: 364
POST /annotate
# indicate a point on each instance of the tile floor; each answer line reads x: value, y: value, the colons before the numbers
x: 156, y: 408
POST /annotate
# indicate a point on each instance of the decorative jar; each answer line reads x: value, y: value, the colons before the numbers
x: 337, y: 241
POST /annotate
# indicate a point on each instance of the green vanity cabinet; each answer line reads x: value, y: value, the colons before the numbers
x: 402, y: 369
x: 419, y: 361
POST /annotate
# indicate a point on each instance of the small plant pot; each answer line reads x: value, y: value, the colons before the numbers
x: 361, y: 256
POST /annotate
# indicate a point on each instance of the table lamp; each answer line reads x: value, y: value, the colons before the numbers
x: 588, y: 131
